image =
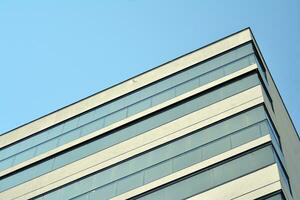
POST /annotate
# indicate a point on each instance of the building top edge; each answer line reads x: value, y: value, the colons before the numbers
x: 127, y: 86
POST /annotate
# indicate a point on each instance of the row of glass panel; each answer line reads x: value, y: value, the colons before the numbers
x: 195, y: 184
x: 218, y: 175
x: 140, y: 127
x: 174, y: 156
x: 128, y: 105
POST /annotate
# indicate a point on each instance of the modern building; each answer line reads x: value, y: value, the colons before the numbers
x: 208, y: 125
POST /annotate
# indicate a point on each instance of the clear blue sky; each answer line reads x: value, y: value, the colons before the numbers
x: 56, y: 52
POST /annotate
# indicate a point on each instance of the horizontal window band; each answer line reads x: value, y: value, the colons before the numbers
x: 215, y: 181
x: 179, y: 183
x: 250, y: 186
x: 150, y: 111
x: 195, y: 168
x: 140, y: 143
x: 126, y: 87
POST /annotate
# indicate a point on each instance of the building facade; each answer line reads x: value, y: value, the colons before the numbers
x: 207, y: 125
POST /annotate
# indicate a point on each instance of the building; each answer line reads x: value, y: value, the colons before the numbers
x: 207, y: 125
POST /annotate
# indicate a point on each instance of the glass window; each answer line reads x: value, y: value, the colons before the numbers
x: 68, y: 137
x: 158, y: 171
x: 114, y: 117
x: 138, y: 107
x: 130, y: 182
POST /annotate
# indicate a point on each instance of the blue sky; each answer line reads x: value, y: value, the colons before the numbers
x: 53, y: 53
